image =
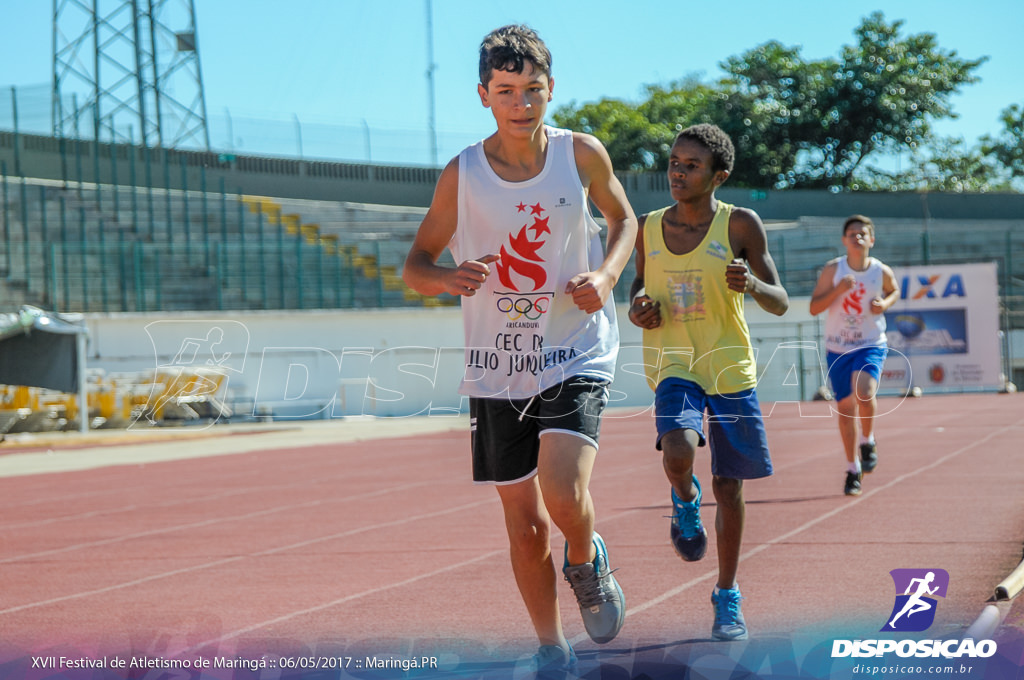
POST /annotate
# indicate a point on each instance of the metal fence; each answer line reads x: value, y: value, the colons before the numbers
x: 28, y: 109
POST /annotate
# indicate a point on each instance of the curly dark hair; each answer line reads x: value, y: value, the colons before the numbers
x: 723, y: 153
x: 509, y: 48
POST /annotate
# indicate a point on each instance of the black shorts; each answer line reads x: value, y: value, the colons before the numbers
x: 506, y: 432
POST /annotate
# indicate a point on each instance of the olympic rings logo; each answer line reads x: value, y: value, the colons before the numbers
x: 524, y: 307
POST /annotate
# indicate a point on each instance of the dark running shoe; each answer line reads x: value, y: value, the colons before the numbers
x: 852, y: 487
x: 868, y: 457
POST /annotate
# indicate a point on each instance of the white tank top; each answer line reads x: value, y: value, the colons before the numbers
x: 850, y: 323
x: 523, y: 333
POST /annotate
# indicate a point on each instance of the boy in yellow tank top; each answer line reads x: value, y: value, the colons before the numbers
x: 695, y: 261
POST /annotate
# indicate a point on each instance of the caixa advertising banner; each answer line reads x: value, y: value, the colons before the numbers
x: 943, y: 332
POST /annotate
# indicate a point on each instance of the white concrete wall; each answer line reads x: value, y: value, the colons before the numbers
x: 327, y: 364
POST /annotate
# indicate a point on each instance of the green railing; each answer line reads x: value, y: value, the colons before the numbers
x: 73, y: 246
x: 146, y: 277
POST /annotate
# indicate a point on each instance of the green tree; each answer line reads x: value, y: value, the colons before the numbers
x: 780, y: 97
x: 903, y: 85
x: 763, y: 150
x: 1008, y: 147
x: 946, y: 164
x: 796, y: 123
x: 640, y: 136
x: 880, y: 95
x: 633, y: 141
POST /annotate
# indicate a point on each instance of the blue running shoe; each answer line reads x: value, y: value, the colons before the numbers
x: 688, y: 534
x: 552, y: 661
x: 602, y: 604
x: 729, y: 623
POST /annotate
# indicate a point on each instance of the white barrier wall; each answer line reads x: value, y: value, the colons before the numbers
x: 396, y: 363
x: 314, y: 364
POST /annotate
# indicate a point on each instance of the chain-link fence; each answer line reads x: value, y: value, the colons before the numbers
x: 29, y: 110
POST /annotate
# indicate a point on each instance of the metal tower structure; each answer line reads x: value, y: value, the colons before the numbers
x: 128, y: 71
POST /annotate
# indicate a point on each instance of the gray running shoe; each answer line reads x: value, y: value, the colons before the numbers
x: 602, y: 604
x: 729, y: 623
x: 552, y: 660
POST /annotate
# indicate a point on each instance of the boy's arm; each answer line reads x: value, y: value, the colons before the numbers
x: 761, y: 280
x: 636, y: 289
x: 421, y: 271
x: 824, y: 293
x: 643, y: 311
x: 890, y: 292
x: 590, y: 290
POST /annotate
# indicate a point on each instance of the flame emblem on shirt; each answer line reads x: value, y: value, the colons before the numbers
x: 854, y: 302
x: 520, y: 253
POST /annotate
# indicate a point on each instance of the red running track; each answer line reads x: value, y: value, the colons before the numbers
x: 385, y: 546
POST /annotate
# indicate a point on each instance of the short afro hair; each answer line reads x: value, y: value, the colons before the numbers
x: 723, y: 153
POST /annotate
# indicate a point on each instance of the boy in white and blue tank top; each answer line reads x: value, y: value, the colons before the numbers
x: 856, y: 290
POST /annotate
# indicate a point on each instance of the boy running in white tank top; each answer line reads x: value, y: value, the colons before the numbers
x: 856, y: 290
x: 539, y: 323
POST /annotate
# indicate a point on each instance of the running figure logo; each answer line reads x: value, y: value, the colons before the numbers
x: 914, y: 610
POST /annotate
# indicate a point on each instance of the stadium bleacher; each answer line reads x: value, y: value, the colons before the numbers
x: 76, y: 246
x: 129, y: 249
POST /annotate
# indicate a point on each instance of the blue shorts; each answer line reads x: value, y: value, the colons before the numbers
x: 739, y: 446
x: 841, y: 368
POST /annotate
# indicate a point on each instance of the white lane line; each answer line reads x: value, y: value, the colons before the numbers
x: 632, y: 611
x: 134, y: 507
x: 349, y: 598
x: 262, y: 489
x: 229, y: 560
x: 341, y: 600
x: 233, y: 476
x: 205, y: 523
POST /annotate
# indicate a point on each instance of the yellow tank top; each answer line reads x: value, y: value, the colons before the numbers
x: 703, y: 336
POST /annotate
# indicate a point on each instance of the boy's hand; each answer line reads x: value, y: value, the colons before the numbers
x: 589, y: 290
x: 877, y: 306
x: 846, y: 283
x: 645, y: 312
x: 468, y: 277
x: 738, y: 277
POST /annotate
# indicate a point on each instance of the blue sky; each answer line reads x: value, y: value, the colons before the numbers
x: 353, y: 72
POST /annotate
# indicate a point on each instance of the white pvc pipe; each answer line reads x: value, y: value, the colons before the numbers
x: 985, y: 625
x: 1012, y: 584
